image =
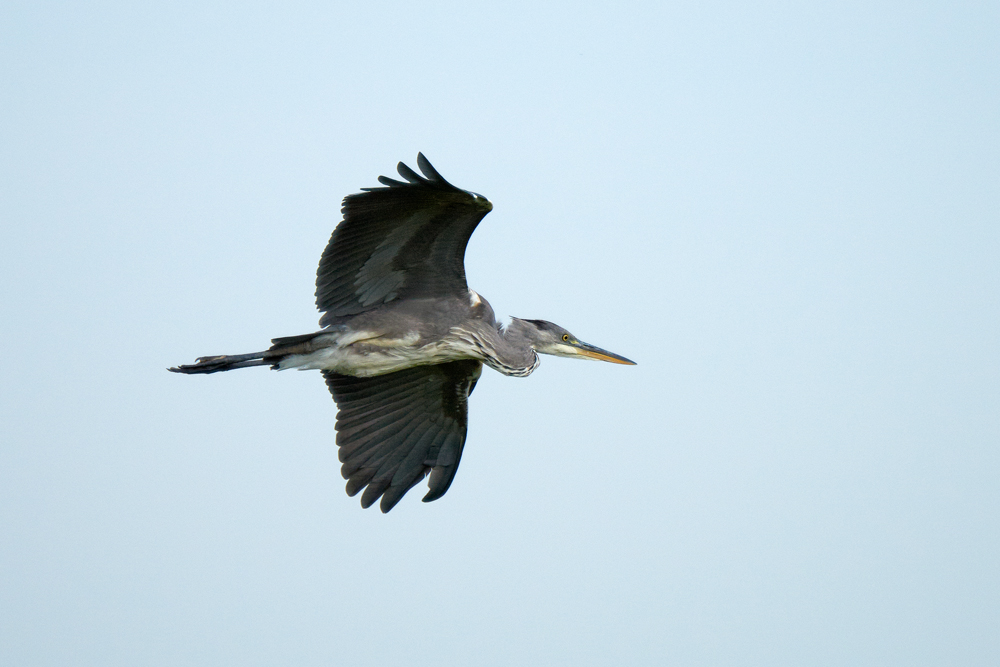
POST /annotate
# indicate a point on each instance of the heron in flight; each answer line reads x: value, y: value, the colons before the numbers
x: 403, y: 338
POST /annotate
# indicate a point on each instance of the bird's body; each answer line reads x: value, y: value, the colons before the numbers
x: 404, y: 339
x: 422, y: 332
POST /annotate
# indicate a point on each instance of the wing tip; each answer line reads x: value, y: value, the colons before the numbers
x: 439, y: 481
x: 429, y: 176
x: 428, y: 169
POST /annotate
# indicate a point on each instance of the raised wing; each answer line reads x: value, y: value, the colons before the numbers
x: 392, y: 429
x: 405, y: 240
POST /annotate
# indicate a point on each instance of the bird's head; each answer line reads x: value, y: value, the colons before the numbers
x: 548, y: 338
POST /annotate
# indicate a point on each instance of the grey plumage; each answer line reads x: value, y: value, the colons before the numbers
x: 404, y: 339
x: 393, y: 429
x: 403, y: 241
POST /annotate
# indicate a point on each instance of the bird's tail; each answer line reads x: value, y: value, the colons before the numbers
x: 223, y: 362
x: 281, y: 348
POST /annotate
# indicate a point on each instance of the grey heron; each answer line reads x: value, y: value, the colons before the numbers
x: 403, y: 338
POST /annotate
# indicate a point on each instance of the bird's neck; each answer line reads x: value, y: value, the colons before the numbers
x: 512, y: 353
x: 507, y: 352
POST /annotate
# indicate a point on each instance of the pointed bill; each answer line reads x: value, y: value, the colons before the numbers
x: 593, y: 352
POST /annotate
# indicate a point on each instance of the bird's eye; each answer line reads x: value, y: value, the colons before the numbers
x: 566, y: 338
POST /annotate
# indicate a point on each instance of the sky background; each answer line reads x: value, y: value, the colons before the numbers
x: 785, y: 212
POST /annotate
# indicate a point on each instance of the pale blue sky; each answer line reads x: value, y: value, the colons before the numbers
x: 785, y: 212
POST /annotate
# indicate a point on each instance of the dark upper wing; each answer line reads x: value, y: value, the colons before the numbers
x: 404, y: 240
x: 392, y: 429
